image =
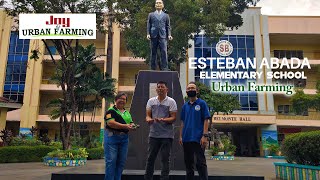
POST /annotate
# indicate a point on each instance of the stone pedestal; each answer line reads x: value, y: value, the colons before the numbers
x: 138, y: 145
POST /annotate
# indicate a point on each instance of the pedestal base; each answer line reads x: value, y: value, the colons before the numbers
x: 138, y: 145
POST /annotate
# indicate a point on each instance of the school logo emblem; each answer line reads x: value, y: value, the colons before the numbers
x: 197, y: 108
x: 224, y: 48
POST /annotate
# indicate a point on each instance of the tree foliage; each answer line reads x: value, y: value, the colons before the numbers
x: 302, y: 148
x: 218, y: 102
x: 301, y: 102
x: 188, y: 18
x: 90, y: 87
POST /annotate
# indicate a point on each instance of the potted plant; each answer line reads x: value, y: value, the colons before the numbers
x: 230, y: 149
x: 63, y: 158
x: 302, y: 153
x: 224, y: 151
x: 274, y: 149
x: 217, y: 151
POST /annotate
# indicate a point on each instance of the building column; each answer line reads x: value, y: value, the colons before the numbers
x: 183, y: 77
x: 3, y: 117
x: 115, y: 67
x: 5, y: 31
x: 259, y: 139
x: 258, y: 45
x: 115, y: 52
x: 266, y: 49
x: 103, y: 107
x: 186, y: 75
x: 31, y: 99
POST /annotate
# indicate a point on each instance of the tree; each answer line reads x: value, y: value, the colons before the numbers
x: 188, y: 18
x: 6, y: 136
x: 33, y: 131
x: 90, y: 84
x: 301, y: 102
x: 218, y: 102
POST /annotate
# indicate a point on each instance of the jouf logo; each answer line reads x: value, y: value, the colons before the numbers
x: 65, y: 22
x: 224, y: 48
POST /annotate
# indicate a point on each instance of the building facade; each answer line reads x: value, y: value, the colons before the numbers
x: 264, y: 118
x: 27, y: 81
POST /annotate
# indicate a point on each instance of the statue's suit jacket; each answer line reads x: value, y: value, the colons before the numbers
x: 158, y: 25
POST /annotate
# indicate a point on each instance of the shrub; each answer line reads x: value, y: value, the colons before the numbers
x: 56, y: 144
x: 6, y: 136
x: 45, y: 139
x: 71, y: 154
x: 90, y: 141
x: 11, y: 154
x: 273, y: 149
x: 96, y: 153
x: 215, y: 150
x: 230, y: 149
x: 18, y: 141
x: 226, y: 146
x: 302, y: 148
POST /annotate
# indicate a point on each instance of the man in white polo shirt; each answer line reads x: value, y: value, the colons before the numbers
x: 161, y: 113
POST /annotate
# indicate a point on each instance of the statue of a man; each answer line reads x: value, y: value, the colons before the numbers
x: 159, y: 31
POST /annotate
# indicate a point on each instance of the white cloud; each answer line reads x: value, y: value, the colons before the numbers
x: 290, y: 7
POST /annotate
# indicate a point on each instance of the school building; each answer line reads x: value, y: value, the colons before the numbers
x: 264, y: 118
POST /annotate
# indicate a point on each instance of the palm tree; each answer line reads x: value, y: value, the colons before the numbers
x: 88, y: 81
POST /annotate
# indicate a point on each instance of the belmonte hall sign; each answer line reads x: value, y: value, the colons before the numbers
x: 57, y: 26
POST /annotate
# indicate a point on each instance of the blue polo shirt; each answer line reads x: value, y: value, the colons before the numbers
x: 193, y: 116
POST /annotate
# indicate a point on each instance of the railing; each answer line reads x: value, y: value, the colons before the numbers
x: 47, y: 81
x: 43, y: 110
x: 122, y: 81
x: 99, y: 51
x: 311, y: 115
x: 313, y: 55
x: 311, y: 85
x: 126, y: 81
x: 301, y: 83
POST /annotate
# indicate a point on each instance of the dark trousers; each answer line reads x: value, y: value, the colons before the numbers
x: 162, y: 43
x: 156, y: 144
x: 191, y: 150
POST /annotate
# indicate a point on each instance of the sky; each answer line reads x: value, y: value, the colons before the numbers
x: 290, y: 7
x: 287, y: 7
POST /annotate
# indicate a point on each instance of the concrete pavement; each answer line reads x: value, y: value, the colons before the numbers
x: 241, y: 166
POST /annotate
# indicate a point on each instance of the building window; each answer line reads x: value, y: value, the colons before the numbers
x: 243, y: 46
x: 16, y: 68
x: 301, y: 83
x: 288, y: 54
x: 287, y: 110
x: 284, y: 109
x: 83, y: 129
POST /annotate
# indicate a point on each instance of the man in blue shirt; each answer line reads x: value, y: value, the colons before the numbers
x: 194, y: 132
